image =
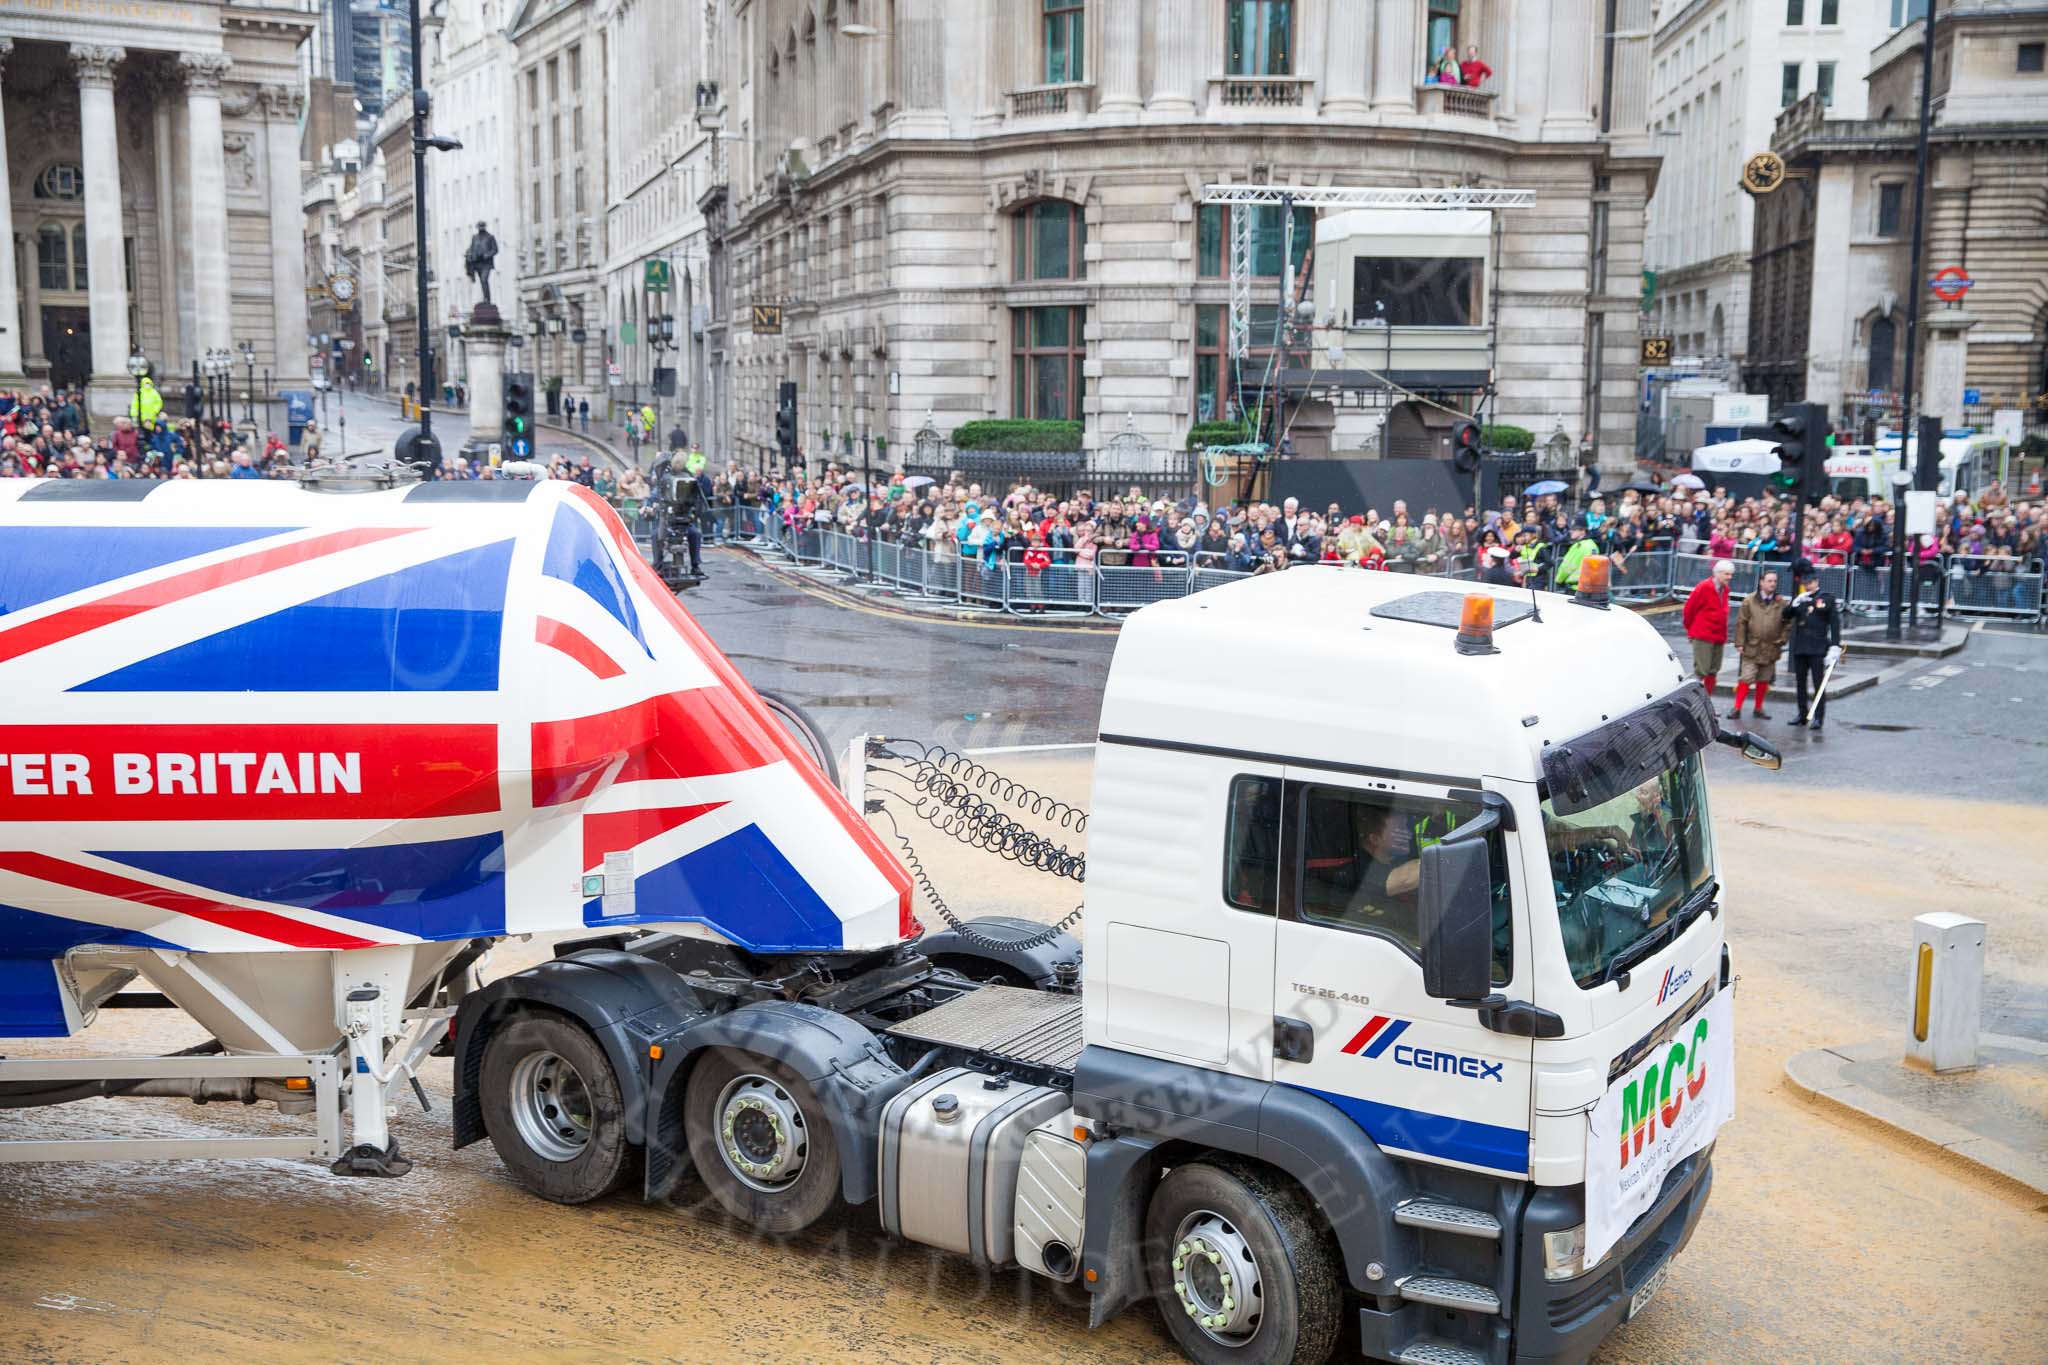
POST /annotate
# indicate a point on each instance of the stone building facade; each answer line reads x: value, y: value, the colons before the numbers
x: 1833, y: 248
x: 153, y: 191
x: 977, y: 209
x: 469, y: 64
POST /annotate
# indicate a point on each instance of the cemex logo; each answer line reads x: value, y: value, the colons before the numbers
x: 1382, y: 1033
x: 1674, y: 982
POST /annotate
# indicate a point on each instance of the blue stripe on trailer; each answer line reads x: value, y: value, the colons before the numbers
x: 31, y: 1000
x: 433, y: 627
x: 580, y: 557
x: 1437, y: 1135
x: 739, y: 885
x: 31, y: 933
x: 442, y: 889
x: 40, y: 563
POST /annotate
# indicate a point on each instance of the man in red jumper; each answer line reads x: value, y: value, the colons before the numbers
x: 1472, y: 71
x: 1706, y: 622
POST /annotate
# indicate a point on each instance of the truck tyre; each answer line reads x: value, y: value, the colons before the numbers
x: 761, y: 1141
x: 1243, y: 1268
x: 553, y: 1109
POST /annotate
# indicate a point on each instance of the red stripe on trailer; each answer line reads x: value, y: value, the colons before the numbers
x: 1366, y: 1034
x: 119, y: 606
x: 259, y: 923
x: 578, y: 646
x: 752, y: 707
x: 616, y: 831
x: 700, y: 733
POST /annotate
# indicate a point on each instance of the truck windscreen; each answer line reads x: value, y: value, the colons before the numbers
x: 1623, y: 868
x: 1594, y: 768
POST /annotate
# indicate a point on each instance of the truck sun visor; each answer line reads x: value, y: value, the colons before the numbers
x: 1603, y: 763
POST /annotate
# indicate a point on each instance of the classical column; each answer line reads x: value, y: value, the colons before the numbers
x: 206, y: 184
x: 107, y: 272
x: 281, y: 105
x: 169, y: 361
x: 1179, y: 84
x: 1395, y: 67
x: 1529, y: 70
x: 920, y: 43
x: 1570, y: 105
x: 1346, y: 58
x: 1116, y: 57
x: 12, y: 317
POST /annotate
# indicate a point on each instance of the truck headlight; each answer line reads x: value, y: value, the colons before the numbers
x: 1564, y: 1253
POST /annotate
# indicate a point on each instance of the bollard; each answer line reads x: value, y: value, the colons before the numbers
x: 1945, y: 991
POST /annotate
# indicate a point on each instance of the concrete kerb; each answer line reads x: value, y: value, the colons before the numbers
x: 1821, y: 1074
x: 828, y: 583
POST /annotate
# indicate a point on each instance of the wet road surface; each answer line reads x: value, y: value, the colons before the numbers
x: 1824, y: 1240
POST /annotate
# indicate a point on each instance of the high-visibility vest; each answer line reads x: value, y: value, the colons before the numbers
x: 1423, y: 838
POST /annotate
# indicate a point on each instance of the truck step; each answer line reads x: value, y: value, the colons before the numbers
x: 1437, y: 1351
x: 1445, y: 1292
x: 1452, y: 1218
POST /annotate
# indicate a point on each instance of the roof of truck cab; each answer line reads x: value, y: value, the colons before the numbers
x: 1296, y: 666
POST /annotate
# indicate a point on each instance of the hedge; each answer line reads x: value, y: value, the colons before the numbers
x: 1218, y: 434
x: 1507, y: 438
x: 1016, y: 433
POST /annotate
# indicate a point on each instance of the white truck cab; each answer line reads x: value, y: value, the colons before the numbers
x: 1350, y: 857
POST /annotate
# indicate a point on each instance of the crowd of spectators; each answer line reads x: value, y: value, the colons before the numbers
x: 49, y: 435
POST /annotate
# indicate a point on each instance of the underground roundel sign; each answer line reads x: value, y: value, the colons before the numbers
x: 1660, y: 1111
x: 1951, y: 283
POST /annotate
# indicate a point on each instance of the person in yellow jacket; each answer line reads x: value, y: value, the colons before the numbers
x: 147, y: 403
x: 1581, y: 548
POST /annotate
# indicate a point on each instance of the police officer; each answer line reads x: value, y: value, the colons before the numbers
x: 1816, y: 620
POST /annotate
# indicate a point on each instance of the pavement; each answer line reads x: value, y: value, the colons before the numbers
x: 1993, y: 1117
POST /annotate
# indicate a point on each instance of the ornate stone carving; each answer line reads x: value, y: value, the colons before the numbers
x: 237, y: 100
x: 54, y: 120
x: 281, y: 102
x: 95, y: 64
x: 204, y: 71
x: 240, y: 162
x: 6, y: 50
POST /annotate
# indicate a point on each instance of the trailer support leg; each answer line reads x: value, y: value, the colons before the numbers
x: 374, y: 1151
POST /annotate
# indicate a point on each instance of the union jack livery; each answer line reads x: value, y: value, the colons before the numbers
x: 252, y: 720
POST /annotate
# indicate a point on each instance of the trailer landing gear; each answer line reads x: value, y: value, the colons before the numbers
x: 363, y: 1159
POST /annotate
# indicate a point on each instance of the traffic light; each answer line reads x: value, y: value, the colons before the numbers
x: 1465, y: 446
x: 785, y: 421
x: 1800, y: 437
x: 518, y: 416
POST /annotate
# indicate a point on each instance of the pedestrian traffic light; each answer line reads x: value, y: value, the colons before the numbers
x: 1465, y: 446
x: 518, y: 416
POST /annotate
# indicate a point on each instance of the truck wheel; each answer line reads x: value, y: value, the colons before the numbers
x: 553, y: 1109
x: 1242, y: 1267
x: 761, y: 1141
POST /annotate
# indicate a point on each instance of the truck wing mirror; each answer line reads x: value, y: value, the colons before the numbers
x: 1455, y: 907
x: 1755, y: 748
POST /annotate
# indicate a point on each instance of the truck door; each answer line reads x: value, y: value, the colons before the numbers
x: 1421, y: 1077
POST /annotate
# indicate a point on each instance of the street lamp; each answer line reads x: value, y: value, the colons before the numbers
x: 138, y: 365
x: 249, y: 393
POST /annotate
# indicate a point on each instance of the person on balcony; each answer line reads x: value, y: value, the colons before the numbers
x: 1472, y: 71
x: 1445, y: 69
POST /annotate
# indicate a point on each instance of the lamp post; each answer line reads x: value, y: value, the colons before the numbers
x: 138, y: 365
x: 1916, y: 285
x: 661, y: 336
x: 249, y: 392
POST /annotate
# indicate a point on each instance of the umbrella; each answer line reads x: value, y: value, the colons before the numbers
x: 918, y: 481
x: 1642, y: 486
x: 1688, y: 481
x: 854, y: 488
x: 1546, y: 488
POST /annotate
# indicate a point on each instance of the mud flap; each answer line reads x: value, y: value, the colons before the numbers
x: 1120, y: 1182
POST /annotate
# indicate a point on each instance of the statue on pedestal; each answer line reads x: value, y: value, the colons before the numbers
x: 479, y: 260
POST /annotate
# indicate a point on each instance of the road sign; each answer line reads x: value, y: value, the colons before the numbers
x: 657, y: 277
x: 1972, y: 397
x: 1656, y: 351
x: 768, y: 319
x: 1950, y: 283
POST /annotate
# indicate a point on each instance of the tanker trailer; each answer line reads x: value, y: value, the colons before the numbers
x: 292, y: 754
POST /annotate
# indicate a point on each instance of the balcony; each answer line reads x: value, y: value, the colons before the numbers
x: 1258, y: 92
x: 1051, y: 101
x: 1460, y: 101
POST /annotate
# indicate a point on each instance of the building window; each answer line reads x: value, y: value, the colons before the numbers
x: 1891, y: 205
x: 1416, y: 291
x: 2030, y: 58
x: 64, y: 180
x: 1788, y: 84
x: 1883, y: 343
x: 53, y: 258
x: 1830, y: 13
x: 78, y: 258
x: 1065, y: 41
x: 1795, y: 13
x: 1050, y: 242
x: 1219, y: 381
x: 1046, y: 351
x: 1260, y: 37
x: 1212, y: 239
x: 1442, y: 30
x: 1824, y: 83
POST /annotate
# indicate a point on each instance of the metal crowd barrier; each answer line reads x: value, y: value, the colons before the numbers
x: 1973, y: 585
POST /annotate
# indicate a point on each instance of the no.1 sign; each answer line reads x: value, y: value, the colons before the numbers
x: 1950, y: 283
